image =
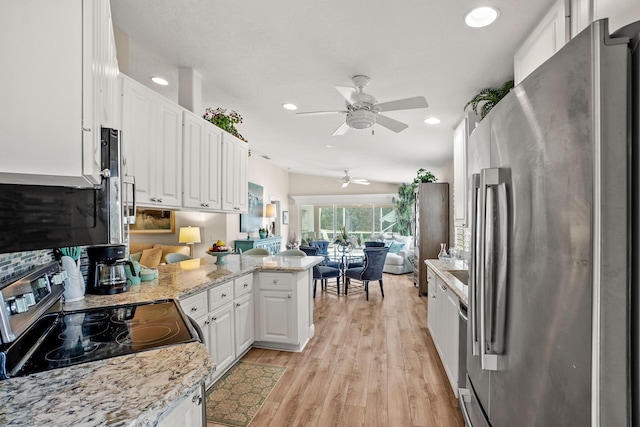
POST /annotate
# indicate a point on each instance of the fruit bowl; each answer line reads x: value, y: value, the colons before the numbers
x: 220, y: 256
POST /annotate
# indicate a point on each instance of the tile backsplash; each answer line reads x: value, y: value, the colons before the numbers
x: 16, y: 264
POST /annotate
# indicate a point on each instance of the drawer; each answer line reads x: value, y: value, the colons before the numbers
x: 220, y: 295
x: 195, y: 305
x: 243, y: 285
x: 276, y: 281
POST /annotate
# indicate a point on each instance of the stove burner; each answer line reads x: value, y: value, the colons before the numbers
x: 78, y: 351
x: 99, y: 316
x: 148, y: 334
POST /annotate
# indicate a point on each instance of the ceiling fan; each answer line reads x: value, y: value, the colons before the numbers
x: 346, y: 180
x: 363, y: 111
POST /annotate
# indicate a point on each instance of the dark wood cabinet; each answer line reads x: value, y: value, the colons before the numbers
x: 431, y: 227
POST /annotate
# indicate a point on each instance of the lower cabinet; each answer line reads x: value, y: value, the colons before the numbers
x: 284, y: 312
x: 188, y: 413
x: 221, y: 344
x: 443, y: 322
x: 243, y: 318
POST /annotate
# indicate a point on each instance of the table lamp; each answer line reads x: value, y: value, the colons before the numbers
x: 270, y: 212
x: 189, y: 235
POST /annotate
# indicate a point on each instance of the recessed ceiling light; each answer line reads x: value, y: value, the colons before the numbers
x: 481, y: 16
x: 432, y: 120
x: 288, y: 106
x: 329, y: 146
x: 159, y: 81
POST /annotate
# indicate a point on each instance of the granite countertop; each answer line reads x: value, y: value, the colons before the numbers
x: 135, y: 389
x: 441, y: 268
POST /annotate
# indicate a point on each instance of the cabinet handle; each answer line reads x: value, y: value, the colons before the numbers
x: 86, y: 129
x: 289, y: 296
x: 214, y: 318
x: 224, y: 295
x: 194, y: 309
x: 207, y: 322
x: 197, y: 399
x: 443, y: 288
x: 245, y: 285
x: 237, y: 305
x: 160, y: 200
x: 275, y: 281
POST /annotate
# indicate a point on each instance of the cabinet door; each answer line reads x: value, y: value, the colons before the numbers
x: 138, y: 130
x: 49, y: 118
x: 460, y: 174
x: 168, y: 149
x: 243, y: 317
x: 228, y: 170
x: 212, y: 174
x: 442, y: 333
x: 277, y: 322
x: 188, y: 413
x: 432, y: 313
x: 221, y: 337
x: 193, y: 145
x: 546, y: 39
x: 451, y: 319
x: 241, y: 180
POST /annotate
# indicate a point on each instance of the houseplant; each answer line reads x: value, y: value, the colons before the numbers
x: 224, y: 120
x: 489, y: 97
x: 262, y: 232
x: 404, y: 202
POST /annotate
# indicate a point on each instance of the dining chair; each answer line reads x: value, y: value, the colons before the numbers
x: 176, y: 257
x: 256, y: 251
x: 292, y: 252
x: 374, y: 244
x: 323, y: 250
x: 372, y: 270
x: 322, y: 272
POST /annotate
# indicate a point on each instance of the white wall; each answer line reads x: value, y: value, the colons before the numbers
x: 619, y: 12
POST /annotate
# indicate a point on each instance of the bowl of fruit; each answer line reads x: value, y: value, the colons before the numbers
x: 219, y: 249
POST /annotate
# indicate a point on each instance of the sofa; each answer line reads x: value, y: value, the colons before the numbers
x: 399, y: 259
x: 151, y: 255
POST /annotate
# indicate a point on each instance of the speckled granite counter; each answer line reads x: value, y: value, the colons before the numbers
x: 136, y: 389
x: 441, y: 268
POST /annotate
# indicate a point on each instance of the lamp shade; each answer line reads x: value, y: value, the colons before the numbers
x: 270, y: 211
x: 189, y: 235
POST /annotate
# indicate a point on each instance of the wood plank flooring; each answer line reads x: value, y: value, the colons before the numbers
x: 370, y: 363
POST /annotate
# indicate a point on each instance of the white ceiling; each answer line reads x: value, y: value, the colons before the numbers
x: 256, y: 55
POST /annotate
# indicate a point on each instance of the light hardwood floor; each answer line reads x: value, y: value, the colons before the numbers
x: 370, y: 363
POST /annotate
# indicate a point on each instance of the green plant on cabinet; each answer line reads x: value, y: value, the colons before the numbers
x: 489, y: 97
x: 224, y: 120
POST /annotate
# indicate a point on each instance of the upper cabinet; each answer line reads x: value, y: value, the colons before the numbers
x: 546, y: 39
x: 152, y: 145
x: 234, y: 174
x: 60, y: 88
x: 460, y: 135
x: 202, y: 164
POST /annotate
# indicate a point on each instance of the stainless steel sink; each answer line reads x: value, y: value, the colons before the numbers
x: 462, y: 275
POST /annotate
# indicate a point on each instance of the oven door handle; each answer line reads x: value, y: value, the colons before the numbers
x: 197, y: 328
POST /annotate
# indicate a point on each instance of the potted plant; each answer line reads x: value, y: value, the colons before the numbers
x: 489, y: 97
x: 224, y: 120
x: 262, y: 232
x: 404, y: 202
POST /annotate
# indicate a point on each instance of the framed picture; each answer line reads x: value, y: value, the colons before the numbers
x: 252, y: 220
x: 154, y: 221
x: 285, y: 217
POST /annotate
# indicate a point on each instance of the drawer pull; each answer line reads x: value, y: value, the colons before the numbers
x: 275, y: 281
x: 237, y: 305
x: 194, y: 309
x: 207, y: 322
x: 289, y: 296
x: 224, y: 295
x: 197, y: 399
x: 214, y: 318
x: 245, y: 285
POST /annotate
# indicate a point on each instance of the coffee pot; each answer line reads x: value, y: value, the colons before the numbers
x: 108, y: 269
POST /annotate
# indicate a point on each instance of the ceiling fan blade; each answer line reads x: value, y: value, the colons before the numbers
x: 404, y: 104
x: 390, y: 123
x: 349, y: 93
x: 341, y: 130
x: 360, y: 182
x: 317, y: 113
x: 345, y: 184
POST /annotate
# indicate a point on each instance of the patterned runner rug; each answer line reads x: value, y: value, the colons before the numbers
x: 238, y: 396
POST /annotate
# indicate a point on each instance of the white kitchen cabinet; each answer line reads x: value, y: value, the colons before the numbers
x: 546, y: 39
x: 66, y: 50
x: 443, y: 322
x: 202, y: 149
x: 243, y: 317
x: 234, y: 174
x: 188, y: 413
x: 221, y: 337
x: 283, y: 310
x: 152, y: 141
x: 460, y: 174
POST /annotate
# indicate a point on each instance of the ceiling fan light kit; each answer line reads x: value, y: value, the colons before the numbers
x: 363, y: 111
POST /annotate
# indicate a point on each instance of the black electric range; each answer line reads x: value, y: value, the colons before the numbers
x: 59, y: 339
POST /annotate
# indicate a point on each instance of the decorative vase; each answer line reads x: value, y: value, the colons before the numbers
x: 443, y: 251
x: 263, y: 234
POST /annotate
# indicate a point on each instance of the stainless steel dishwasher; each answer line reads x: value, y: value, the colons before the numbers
x: 462, y: 344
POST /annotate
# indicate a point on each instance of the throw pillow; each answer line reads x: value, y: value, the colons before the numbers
x: 151, y: 257
x: 395, y: 247
x: 180, y: 249
x: 136, y: 256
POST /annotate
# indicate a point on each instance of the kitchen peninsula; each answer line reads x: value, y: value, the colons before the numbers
x: 142, y: 389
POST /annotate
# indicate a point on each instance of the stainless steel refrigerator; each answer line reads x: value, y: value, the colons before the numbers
x: 552, y: 331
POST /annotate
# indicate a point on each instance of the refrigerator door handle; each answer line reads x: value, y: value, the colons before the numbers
x: 474, y: 263
x: 494, y: 227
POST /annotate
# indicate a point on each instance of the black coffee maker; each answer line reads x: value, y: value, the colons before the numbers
x: 107, y: 269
